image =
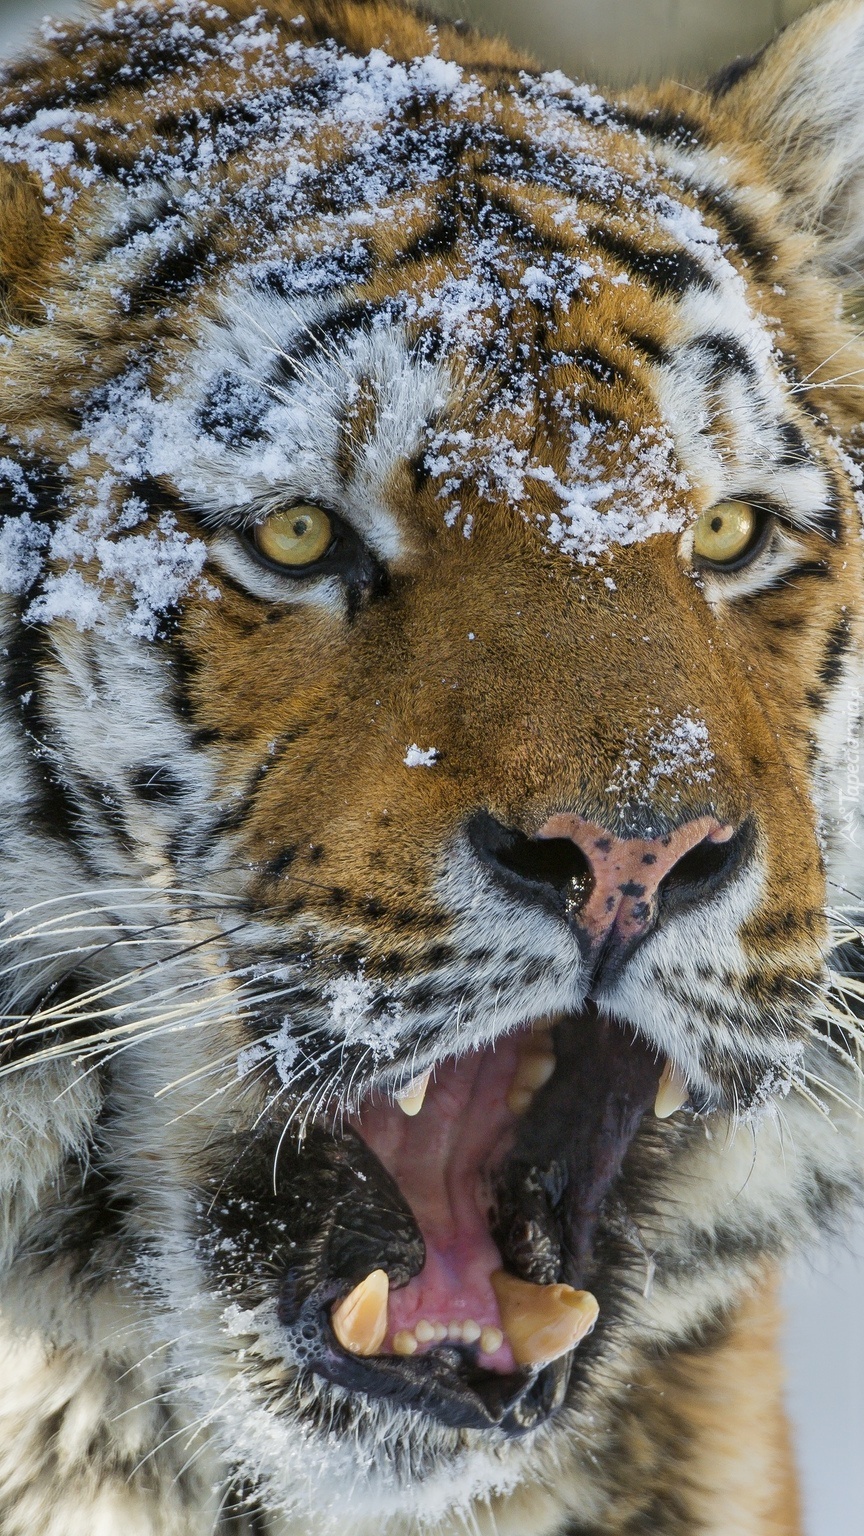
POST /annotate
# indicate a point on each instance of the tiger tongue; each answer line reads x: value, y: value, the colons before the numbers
x: 443, y: 1159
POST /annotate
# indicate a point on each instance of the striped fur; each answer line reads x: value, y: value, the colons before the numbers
x: 519, y: 337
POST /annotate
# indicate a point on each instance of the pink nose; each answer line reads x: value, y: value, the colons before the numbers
x: 626, y: 872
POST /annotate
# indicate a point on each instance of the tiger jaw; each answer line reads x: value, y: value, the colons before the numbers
x: 444, y: 1259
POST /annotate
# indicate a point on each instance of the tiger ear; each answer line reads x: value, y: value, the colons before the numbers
x: 800, y: 103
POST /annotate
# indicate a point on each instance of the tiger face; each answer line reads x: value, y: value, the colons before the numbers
x: 433, y: 666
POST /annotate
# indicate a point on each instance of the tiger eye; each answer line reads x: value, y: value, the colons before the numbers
x: 724, y: 533
x: 295, y: 537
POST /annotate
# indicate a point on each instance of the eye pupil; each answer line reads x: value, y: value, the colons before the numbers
x: 716, y: 524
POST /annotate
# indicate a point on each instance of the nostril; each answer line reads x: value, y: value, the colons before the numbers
x: 699, y: 872
x: 554, y: 863
x: 546, y: 860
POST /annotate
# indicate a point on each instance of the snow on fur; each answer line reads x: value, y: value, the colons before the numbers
x: 617, y: 487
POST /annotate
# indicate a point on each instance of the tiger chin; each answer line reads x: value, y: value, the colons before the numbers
x: 432, y: 649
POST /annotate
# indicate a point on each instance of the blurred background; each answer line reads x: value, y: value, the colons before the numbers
x: 616, y: 42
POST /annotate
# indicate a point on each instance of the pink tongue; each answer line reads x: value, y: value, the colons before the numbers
x: 442, y: 1160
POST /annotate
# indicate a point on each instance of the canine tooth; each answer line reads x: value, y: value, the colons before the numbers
x: 533, y: 1069
x: 471, y: 1332
x: 491, y: 1340
x: 424, y: 1331
x: 542, y: 1322
x: 360, y: 1320
x: 518, y: 1100
x: 672, y: 1093
x: 411, y: 1101
x: 404, y: 1342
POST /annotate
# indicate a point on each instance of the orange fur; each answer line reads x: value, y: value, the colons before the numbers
x: 537, y: 676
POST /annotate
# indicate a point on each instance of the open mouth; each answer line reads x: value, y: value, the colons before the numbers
x: 442, y: 1253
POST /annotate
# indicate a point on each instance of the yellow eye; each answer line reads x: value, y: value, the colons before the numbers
x: 295, y: 537
x: 725, y: 533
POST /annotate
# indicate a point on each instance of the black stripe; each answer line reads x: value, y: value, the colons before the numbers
x: 648, y: 346
x: 758, y: 251
x: 795, y: 447
x: 440, y: 237
x: 667, y: 272
x: 143, y: 222
x: 281, y: 861
x: 232, y: 410
x: 830, y: 518
x: 173, y: 147
x: 319, y: 337
x: 40, y: 491
x: 339, y: 266
x: 155, y: 784
x: 495, y: 210
x: 836, y: 646
x: 420, y: 473
x: 229, y: 820
x: 148, y: 54
x: 728, y: 77
x: 195, y: 255
x: 183, y: 668
x: 809, y: 404
x: 791, y: 622
x: 726, y: 353
x: 104, y: 809
x: 819, y: 570
x: 28, y: 657
x: 661, y: 123
x: 517, y: 159
x: 600, y: 368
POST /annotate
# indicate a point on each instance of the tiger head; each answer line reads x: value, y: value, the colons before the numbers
x: 433, y: 654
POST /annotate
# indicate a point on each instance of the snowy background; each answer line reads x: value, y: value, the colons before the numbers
x: 621, y: 40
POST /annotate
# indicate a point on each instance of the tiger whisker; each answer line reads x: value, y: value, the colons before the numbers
x: 835, y: 1093
x: 90, y: 951
x: 850, y: 342
x: 158, y: 1349
x: 838, y: 1050
x: 48, y: 1022
x: 841, y: 378
x: 193, y: 1428
x: 106, y: 989
x: 132, y: 893
x: 102, y: 1041
x: 814, y: 1101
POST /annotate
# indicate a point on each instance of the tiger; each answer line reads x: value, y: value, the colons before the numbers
x: 432, y: 661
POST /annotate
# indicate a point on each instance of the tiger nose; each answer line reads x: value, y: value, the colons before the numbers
x: 625, y: 874
x: 608, y: 884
